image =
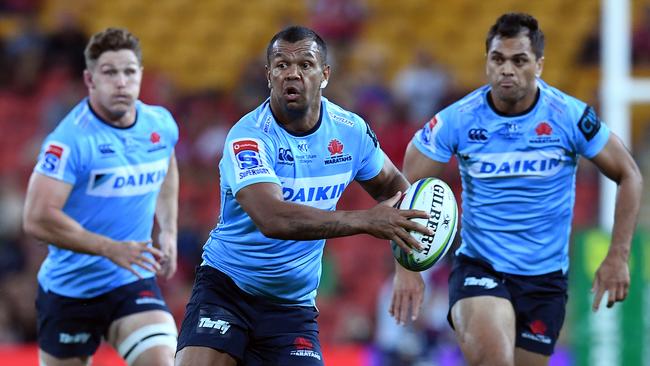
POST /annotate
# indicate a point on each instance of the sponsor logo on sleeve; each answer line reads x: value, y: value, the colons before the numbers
x: 589, y: 123
x: 427, y: 132
x: 247, y: 155
x: 54, y: 159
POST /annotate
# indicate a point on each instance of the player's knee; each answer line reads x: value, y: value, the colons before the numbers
x: 158, y: 355
x: 152, y: 344
x: 45, y: 359
x: 486, y: 351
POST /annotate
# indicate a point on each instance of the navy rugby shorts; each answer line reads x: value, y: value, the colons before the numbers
x: 74, y: 327
x: 539, y: 301
x: 253, y: 330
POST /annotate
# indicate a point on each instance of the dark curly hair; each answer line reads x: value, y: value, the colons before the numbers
x: 111, y: 39
x: 509, y: 25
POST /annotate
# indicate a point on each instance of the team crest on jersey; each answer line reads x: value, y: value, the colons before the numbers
x: 335, y: 148
x: 544, y: 134
x: 54, y: 159
x: 247, y: 155
x: 155, y: 140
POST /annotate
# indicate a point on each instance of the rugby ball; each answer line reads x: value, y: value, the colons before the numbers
x: 435, y: 197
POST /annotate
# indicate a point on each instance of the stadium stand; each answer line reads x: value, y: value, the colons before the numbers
x: 194, y: 58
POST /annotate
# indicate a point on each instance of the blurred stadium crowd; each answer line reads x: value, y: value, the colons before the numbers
x: 41, y: 62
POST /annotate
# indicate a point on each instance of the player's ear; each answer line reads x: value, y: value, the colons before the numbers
x: 539, y: 66
x: 326, y: 76
x: 88, y: 79
x: 268, y: 77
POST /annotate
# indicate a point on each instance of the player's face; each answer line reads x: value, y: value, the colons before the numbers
x: 295, y: 73
x: 512, y: 68
x: 114, y: 83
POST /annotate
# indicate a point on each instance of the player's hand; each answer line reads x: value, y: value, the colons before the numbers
x: 128, y: 253
x: 408, y: 294
x: 387, y: 222
x: 168, y: 263
x: 612, y: 276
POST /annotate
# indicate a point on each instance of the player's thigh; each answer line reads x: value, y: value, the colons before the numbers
x: 145, y: 338
x: 484, y: 322
x: 203, y: 356
x: 527, y: 358
x: 46, y: 359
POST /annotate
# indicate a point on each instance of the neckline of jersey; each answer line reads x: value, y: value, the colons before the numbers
x: 90, y: 107
x: 488, y: 96
x: 299, y: 134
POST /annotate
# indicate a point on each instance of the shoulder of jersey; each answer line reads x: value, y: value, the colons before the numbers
x: 470, y: 102
x: 560, y: 100
x: 341, y: 116
x: 78, y: 120
x: 156, y: 112
x: 257, y: 122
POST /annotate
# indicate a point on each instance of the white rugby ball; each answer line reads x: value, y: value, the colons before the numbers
x: 434, y: 196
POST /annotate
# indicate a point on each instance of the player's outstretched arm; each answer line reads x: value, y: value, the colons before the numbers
x: 44, y: 219
x: 167, y: 218
x: 286, y: 220
x: 613, y: 275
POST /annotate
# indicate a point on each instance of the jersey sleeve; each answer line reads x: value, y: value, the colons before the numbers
x: 247, y: 159
x: 372, y: 156
x: 591, y: 134
x: 60, y: 157
x: 172, y: 126
x: 436, y: 138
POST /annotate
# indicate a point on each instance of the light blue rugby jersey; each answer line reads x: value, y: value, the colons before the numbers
x: 313, y: 169
x: 116, y: 174
x: 518, y: 175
